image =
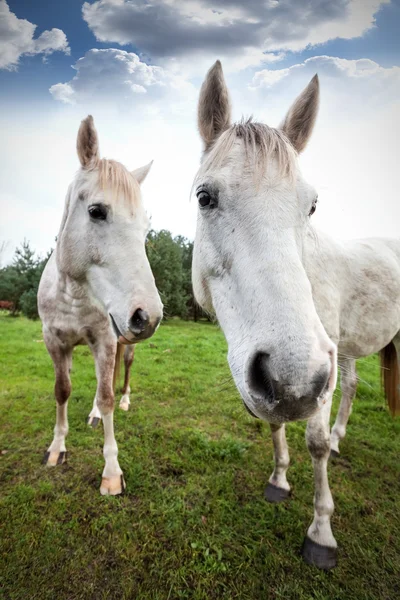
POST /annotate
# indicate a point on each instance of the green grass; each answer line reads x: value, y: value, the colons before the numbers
x: 193, y: 523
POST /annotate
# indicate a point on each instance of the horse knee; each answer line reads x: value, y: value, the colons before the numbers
x: 105, y: 404
x: 318, y: 444
x: 62, y: 390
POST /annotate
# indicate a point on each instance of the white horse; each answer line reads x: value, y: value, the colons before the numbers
x: 287, y: 298
x: 98, y: 289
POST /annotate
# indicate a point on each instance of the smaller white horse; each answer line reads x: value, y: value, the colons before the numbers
x: 98, y: 288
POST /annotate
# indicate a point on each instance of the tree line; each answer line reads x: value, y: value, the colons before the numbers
x: 170, y: 259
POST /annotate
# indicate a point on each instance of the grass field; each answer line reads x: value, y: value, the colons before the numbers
x: 193, y: 523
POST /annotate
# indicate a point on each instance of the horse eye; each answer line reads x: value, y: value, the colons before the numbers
x: 98, y: 212
x: 313, y: 208
x: 206, y: 200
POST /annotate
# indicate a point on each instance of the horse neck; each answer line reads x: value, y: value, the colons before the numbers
x: 321, y: 251
x: 73, y: 288
x: 326, y: 266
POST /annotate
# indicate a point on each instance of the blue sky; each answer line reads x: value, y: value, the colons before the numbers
x: 381, y: 44
x: 142, y: 90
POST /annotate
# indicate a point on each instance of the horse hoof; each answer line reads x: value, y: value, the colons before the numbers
x: 323, y: 557
x: 275, y: 494
x: 334, y: 454
x: 51, y: 459
x: 93, y: 421
x: 124, y: 406
x: 112, y: 486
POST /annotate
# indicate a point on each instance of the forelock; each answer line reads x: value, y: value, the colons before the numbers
x: 262, y: 144
x: 118, y: 182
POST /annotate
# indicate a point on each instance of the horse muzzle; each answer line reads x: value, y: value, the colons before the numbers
x: 140, y: 327
x: 279, y: 400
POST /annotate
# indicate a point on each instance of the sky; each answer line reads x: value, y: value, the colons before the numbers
x: 137, y: 67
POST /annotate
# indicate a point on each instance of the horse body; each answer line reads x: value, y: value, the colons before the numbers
x: 356, y: 291
x: 290, y: 302
x: 98, y: 289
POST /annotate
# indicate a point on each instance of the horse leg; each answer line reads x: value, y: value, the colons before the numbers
x: 320, y: 547
x: 348, y: 380
x: 94, y: 417
x: 126, y: 390
x: 396, y: 343
x: 62, y: 359
x: 278, y: 488
x: 112, y: 481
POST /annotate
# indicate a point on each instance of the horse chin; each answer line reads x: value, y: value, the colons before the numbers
x: 123, y: 340
x: 118, y: 333
x: 284, y: 410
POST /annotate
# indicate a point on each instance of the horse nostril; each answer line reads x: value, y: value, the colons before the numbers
x: 320, y: 382
x: 259, y: 380
x: 139, y: 321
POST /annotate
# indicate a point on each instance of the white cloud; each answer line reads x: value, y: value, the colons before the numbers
x: 267, y: 77
x: 351, y: 87
x: 120, y: 78
x: 234, y: 30
x: 351, y: 158
x: 16, y: 39
x: 333, y: 68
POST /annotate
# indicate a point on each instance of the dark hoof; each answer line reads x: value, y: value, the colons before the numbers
x: 334, y: 454
x: 62, y: 457
x: 51, y: 459
x: 93, y: 421
x: 323, y: 557
x: 275, y: 494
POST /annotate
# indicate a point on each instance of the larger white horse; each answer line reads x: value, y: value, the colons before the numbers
x: 98, y: 289
x: 288, y: 300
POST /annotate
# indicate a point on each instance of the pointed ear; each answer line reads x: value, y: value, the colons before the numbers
x: 87, y: 143
x: 214, y: 110
x: 299, y: 121
x: 141, y: 173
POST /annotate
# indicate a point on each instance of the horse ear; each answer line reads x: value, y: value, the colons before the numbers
x: 214, y: 110
x: 141, y: 173
x: 87, y: 143
x: 299, y: 121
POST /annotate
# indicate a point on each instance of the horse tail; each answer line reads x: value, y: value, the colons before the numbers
x: 117, y: 365
x: 390, y: 377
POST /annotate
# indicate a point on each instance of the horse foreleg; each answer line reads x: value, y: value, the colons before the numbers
x: 56, y: 453
x: 278, y: 488
x: 94, y: 417
x: 320, y: 547
x: 112, y: 481
x: 348, y: 380
x: 126, y: 390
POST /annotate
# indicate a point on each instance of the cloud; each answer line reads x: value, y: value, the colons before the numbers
x: 351, y: 158
x: 352, y: 86
x: 122, y: 79
x: 171, y: 28
x: 16, y: 39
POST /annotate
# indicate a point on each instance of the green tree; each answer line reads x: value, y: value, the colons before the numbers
x: 166, y: 260
x: 19, y: 281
